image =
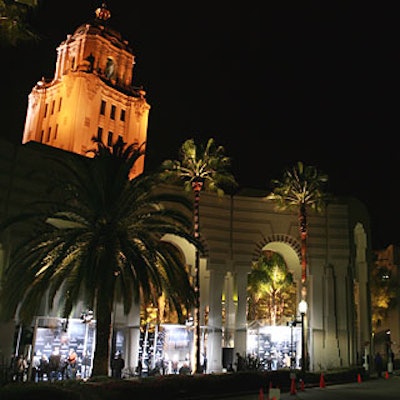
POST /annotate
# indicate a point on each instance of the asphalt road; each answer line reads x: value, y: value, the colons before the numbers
x: 373, y: 389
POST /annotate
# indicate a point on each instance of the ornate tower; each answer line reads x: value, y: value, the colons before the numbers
x: 91, y: 94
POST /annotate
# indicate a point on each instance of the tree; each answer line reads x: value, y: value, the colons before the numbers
x: 384, y: 292
x: 271, y: 289
x: 98, y: 239
x: 14, y: 26
x: 200, y: 168
x: 301, y: 188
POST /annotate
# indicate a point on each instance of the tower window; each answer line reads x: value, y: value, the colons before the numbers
x: 110, y: 139
x: 45, y: 110
x: 100, y: 133
x: 122, y: 116
x: 53, y: 104
x: 112, y: 115
x: 103, y: 108
x: 59, y: 104
x: 48, y: 135
x: 55, y: 132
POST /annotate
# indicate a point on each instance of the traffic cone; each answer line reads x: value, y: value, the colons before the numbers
x: 293, y: 386
x: 261, y: 394
x: 359, y: 378
x: 386, y: 375
x: 322, y: 381
x: 302, y: 385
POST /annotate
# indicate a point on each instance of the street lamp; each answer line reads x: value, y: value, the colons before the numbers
x: 303, y: 310
x: 86, y: 318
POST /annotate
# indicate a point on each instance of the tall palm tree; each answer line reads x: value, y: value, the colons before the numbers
x: 98, y: 239
x: 201, y: 167
x: 301, y: 188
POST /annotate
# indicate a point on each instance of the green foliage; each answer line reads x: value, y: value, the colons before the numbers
x: 201, y: 163
x: 173, y: 387
x: 97, y: 238
x: 384, y: 293
x: 300, y: 185
x: 271, y: 289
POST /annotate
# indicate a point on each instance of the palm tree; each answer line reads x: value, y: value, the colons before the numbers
x: 98, y: 239
x: 200, y: 168
x: 271, y: 290
x: 301, y: 188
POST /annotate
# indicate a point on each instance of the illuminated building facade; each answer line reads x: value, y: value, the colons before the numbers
x: 91, y: 95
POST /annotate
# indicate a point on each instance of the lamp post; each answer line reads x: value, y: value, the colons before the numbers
x: 86, y: 318
x: 303, y: 310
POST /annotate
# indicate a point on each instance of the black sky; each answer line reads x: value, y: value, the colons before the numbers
x: 273, y: 82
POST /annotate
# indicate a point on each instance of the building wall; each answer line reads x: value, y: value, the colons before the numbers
x: 235, y: 229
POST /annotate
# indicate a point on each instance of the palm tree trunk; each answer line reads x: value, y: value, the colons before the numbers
x: 103, y: 333
x: 303, y: 237
x: 197, y: 186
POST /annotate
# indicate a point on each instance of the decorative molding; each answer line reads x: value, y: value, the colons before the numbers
x: 283, y: 238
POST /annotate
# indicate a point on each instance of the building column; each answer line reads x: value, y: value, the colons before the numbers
x: 214, y: 327
x: 133, y: 337
x: 241, y: 317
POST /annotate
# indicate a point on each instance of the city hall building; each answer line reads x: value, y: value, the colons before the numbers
x: 91, y: 94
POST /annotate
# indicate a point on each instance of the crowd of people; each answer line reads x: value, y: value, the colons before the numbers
x: 53, y: 368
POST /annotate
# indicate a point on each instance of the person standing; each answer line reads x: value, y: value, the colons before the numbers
x: 72, y: 364
x: 378, y: 364
x: 54, y: 365
x: 240, y: 363
x: 35, y: 367
x: 117, y: 365
x: 21, y: 368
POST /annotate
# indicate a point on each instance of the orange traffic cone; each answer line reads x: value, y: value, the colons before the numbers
x: 322, y: 381
x: 261, y: 394
x: 359, y: 378
x: 293, y: 386
x: 302, y: 385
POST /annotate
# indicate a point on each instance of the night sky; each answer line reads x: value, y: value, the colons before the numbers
x: 273, y: 82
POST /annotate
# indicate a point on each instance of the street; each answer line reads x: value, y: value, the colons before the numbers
x: 388, y: 389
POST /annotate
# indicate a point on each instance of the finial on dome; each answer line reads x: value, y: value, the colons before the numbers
x: 103, y: 13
